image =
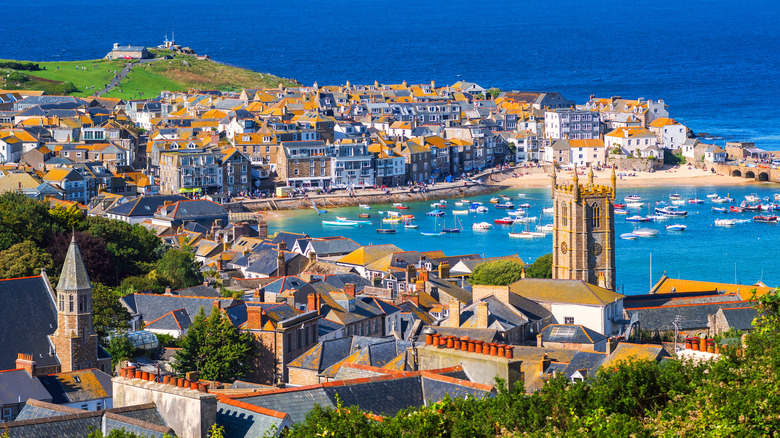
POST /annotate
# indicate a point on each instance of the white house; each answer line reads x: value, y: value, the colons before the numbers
x: 574, y: 302
x: 526, y: 144
x: 632, y: 141
x: 571, y: 124
x: 584, y: 152
x: 669, y: 133
x: 715, y: 154
x: 10, y: 149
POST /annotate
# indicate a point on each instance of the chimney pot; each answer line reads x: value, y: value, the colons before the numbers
x: 349, y: 289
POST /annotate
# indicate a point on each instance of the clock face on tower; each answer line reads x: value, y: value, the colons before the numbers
x: 564, y: 248
x: 596, y: 249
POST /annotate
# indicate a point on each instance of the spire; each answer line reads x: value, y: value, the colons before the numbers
x: 576, y: 182
x: 614, y: 183
x: 553, y: 177
x: 74, y: 274
x: 590, y: 176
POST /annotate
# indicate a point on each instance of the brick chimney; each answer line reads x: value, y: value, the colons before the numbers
x: 262, y: 229
x: 26, y: 362
x: 349, y: 289
x: 217, y: 304
x: 453, y: 320
x: 281, y: 266
x: 313, y: 302
x: 312, y: 257
x: 423, y: 275
x: 282, y: 246
x: 411, y: 274
x: 482, y: 315
x: 254, y: 317
x: 444, y: 270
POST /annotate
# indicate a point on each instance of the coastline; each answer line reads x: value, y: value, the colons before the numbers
x: 679, y: 177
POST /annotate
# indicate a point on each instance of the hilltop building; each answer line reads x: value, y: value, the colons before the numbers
x: 128, y: 52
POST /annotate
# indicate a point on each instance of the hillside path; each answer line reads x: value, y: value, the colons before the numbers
x: 122, y: 75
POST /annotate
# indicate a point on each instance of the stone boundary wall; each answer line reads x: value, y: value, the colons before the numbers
x: 640, y: 164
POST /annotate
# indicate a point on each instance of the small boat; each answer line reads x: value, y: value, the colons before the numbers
x: 396, y: 204
x: 364, y: 215
x: 748, y: 207
x: 460, y: 203
x: 742, y: 221
x: 494, y: 200
x: 675, y: 197
x: 522, y: 195
x: 505, y: 198
x: 712, y: 195
x: 438, y: 205
x: 410, y: 225
x: 478, y: 209
x: 620, y: 205
x: 637, y: 218
x: 505, y: 205
x: 676, y: 227
x: 366, y: 206
x: 431, y: 233
x: 436, y: 213
x: 460, y: 212
x: 752, y: 198
x: 392, y: 220
x: 765, y: 219
x: 385, y: 230
x: 402, y: 207
x: 455, y: 229
x: 657, y: 217
x: 406, y: 217
x: 635, y: 204
x: 678, y: 202
x: 465, y: 201
x: 720, y: 200
x: 621, y: 211
x: 720, y: 209
x: 696, y: 201
x: 548, y: 210
x: 525, y: 219
x: 518, y: 212
x: 671, y: 211
x: 522, y: 235
x: 628, y: 236
x: 504, y: 221
x: 341, y: 223
x: 482, y: 226
x: 546, y: 228
x: 341, y: 218
x: 525, y: 205
x: 735, y: 209
x: 442, y: 202
x: 725, y: 222
x: 632, y: 198
x: 646, y: 232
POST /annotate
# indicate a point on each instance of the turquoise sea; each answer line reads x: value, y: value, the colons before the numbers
x: 745, y: 253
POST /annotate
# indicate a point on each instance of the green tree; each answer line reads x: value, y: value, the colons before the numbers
x: 179, y: 269
x: 97, y: 260
x: 23, y: 218
x: 120, y: 348
x: 23, y: 259
x: 138, y: 284
x: 500, y: 273
x: 215, y: 348
x: 107, y: 313
x: 134, y: 249
x: 493, y: 92
x: 540, y: 268
x: 67, y: 218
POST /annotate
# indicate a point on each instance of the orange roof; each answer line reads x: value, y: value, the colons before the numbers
x: 662, y: 121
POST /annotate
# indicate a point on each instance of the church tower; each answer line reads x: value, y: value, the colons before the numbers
x: 584, y: 231
x: 74, y: 341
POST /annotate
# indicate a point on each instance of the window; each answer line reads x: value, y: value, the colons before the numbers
x: 564, y: 214
x: 295, y: 171
x: 70, y: 303
x: 568, y: 320
x: 6, y: 414
x: 596, y: 213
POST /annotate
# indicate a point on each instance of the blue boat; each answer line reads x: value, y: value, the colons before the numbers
x: 436, y: 212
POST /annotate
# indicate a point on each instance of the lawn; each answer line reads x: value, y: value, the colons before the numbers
x: 140, y: 80
x: 98, y: 73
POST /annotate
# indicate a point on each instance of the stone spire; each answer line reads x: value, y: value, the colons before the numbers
x: 553, y: 178
x: 590, y: 176
x: 74, y: 274
x: 614, y: 183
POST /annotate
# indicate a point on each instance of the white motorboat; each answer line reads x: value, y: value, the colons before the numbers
x: 725, y: 222
x: 676, y: 227
x: 646, y: 232
x: 482, y: 226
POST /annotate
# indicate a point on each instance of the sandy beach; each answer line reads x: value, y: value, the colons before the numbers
x: 672, y: 177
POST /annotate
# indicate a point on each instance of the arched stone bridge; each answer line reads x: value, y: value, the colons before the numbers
x: 754, y: 173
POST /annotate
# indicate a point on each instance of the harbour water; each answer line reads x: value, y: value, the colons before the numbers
x: 745, y: 253
x: 713, y: 62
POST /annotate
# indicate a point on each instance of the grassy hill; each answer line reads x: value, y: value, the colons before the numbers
x: 181, y: 72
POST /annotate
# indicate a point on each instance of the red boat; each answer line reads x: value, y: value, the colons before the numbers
x: 402, y: 207
x: 765, y: 219
x: 504, y: 221
x: 752, y: 207
x: 734, y: 209
x: 620, y: 205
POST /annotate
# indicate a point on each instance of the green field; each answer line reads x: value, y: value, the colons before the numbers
x: 144, y: 81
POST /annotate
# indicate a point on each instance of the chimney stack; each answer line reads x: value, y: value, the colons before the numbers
x: 444, y: 269
x: 282, y: 246
x: 482, y: 315
x: 423, y: 275
x: 349, y: 289
x: 217, y: 304
x: 281, y: 266
x: 26, y: 362
x: 254, y: 317
x: 453, y: 319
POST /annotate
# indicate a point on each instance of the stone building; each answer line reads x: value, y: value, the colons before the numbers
x: 128, y: 52
x: 584, y: 232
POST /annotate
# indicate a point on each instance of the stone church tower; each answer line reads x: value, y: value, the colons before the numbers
x: 584, y: 231
x: 74, y: 341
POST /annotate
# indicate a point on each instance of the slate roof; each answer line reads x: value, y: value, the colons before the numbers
x: 242, y: 420
x: 77, y: 386
x: 144, y: 205
x: 62, y: 426
x: 17, y: 385
x: 381, y: 395
x: 563, y: 291
x: 585, y: 360
x: 501, y: 316
x: 288, y: 238
x: 178, y: 320
x: 692, y: 316
x: 326, y: 247
x: 740, y: 318
x: 23, y: 300
x: 194, y: 209
x: 74, y: 273
x: 153, y: 306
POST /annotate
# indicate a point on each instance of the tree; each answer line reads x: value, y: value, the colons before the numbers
x: 67, y: 218
x: 139, y: 283
x: 120, y: 348
x: 179, y: 269
x: 493, y: 92
x: 540, y: 268
x: 500, y: 273
x: 107, y: 313
x: 134, y: 249
x: 23, y: 218
x: 23, y: 259
x: 97, y: 260
x: 215, y: 348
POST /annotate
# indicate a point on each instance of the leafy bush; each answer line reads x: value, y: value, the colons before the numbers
x: 500, y: 273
